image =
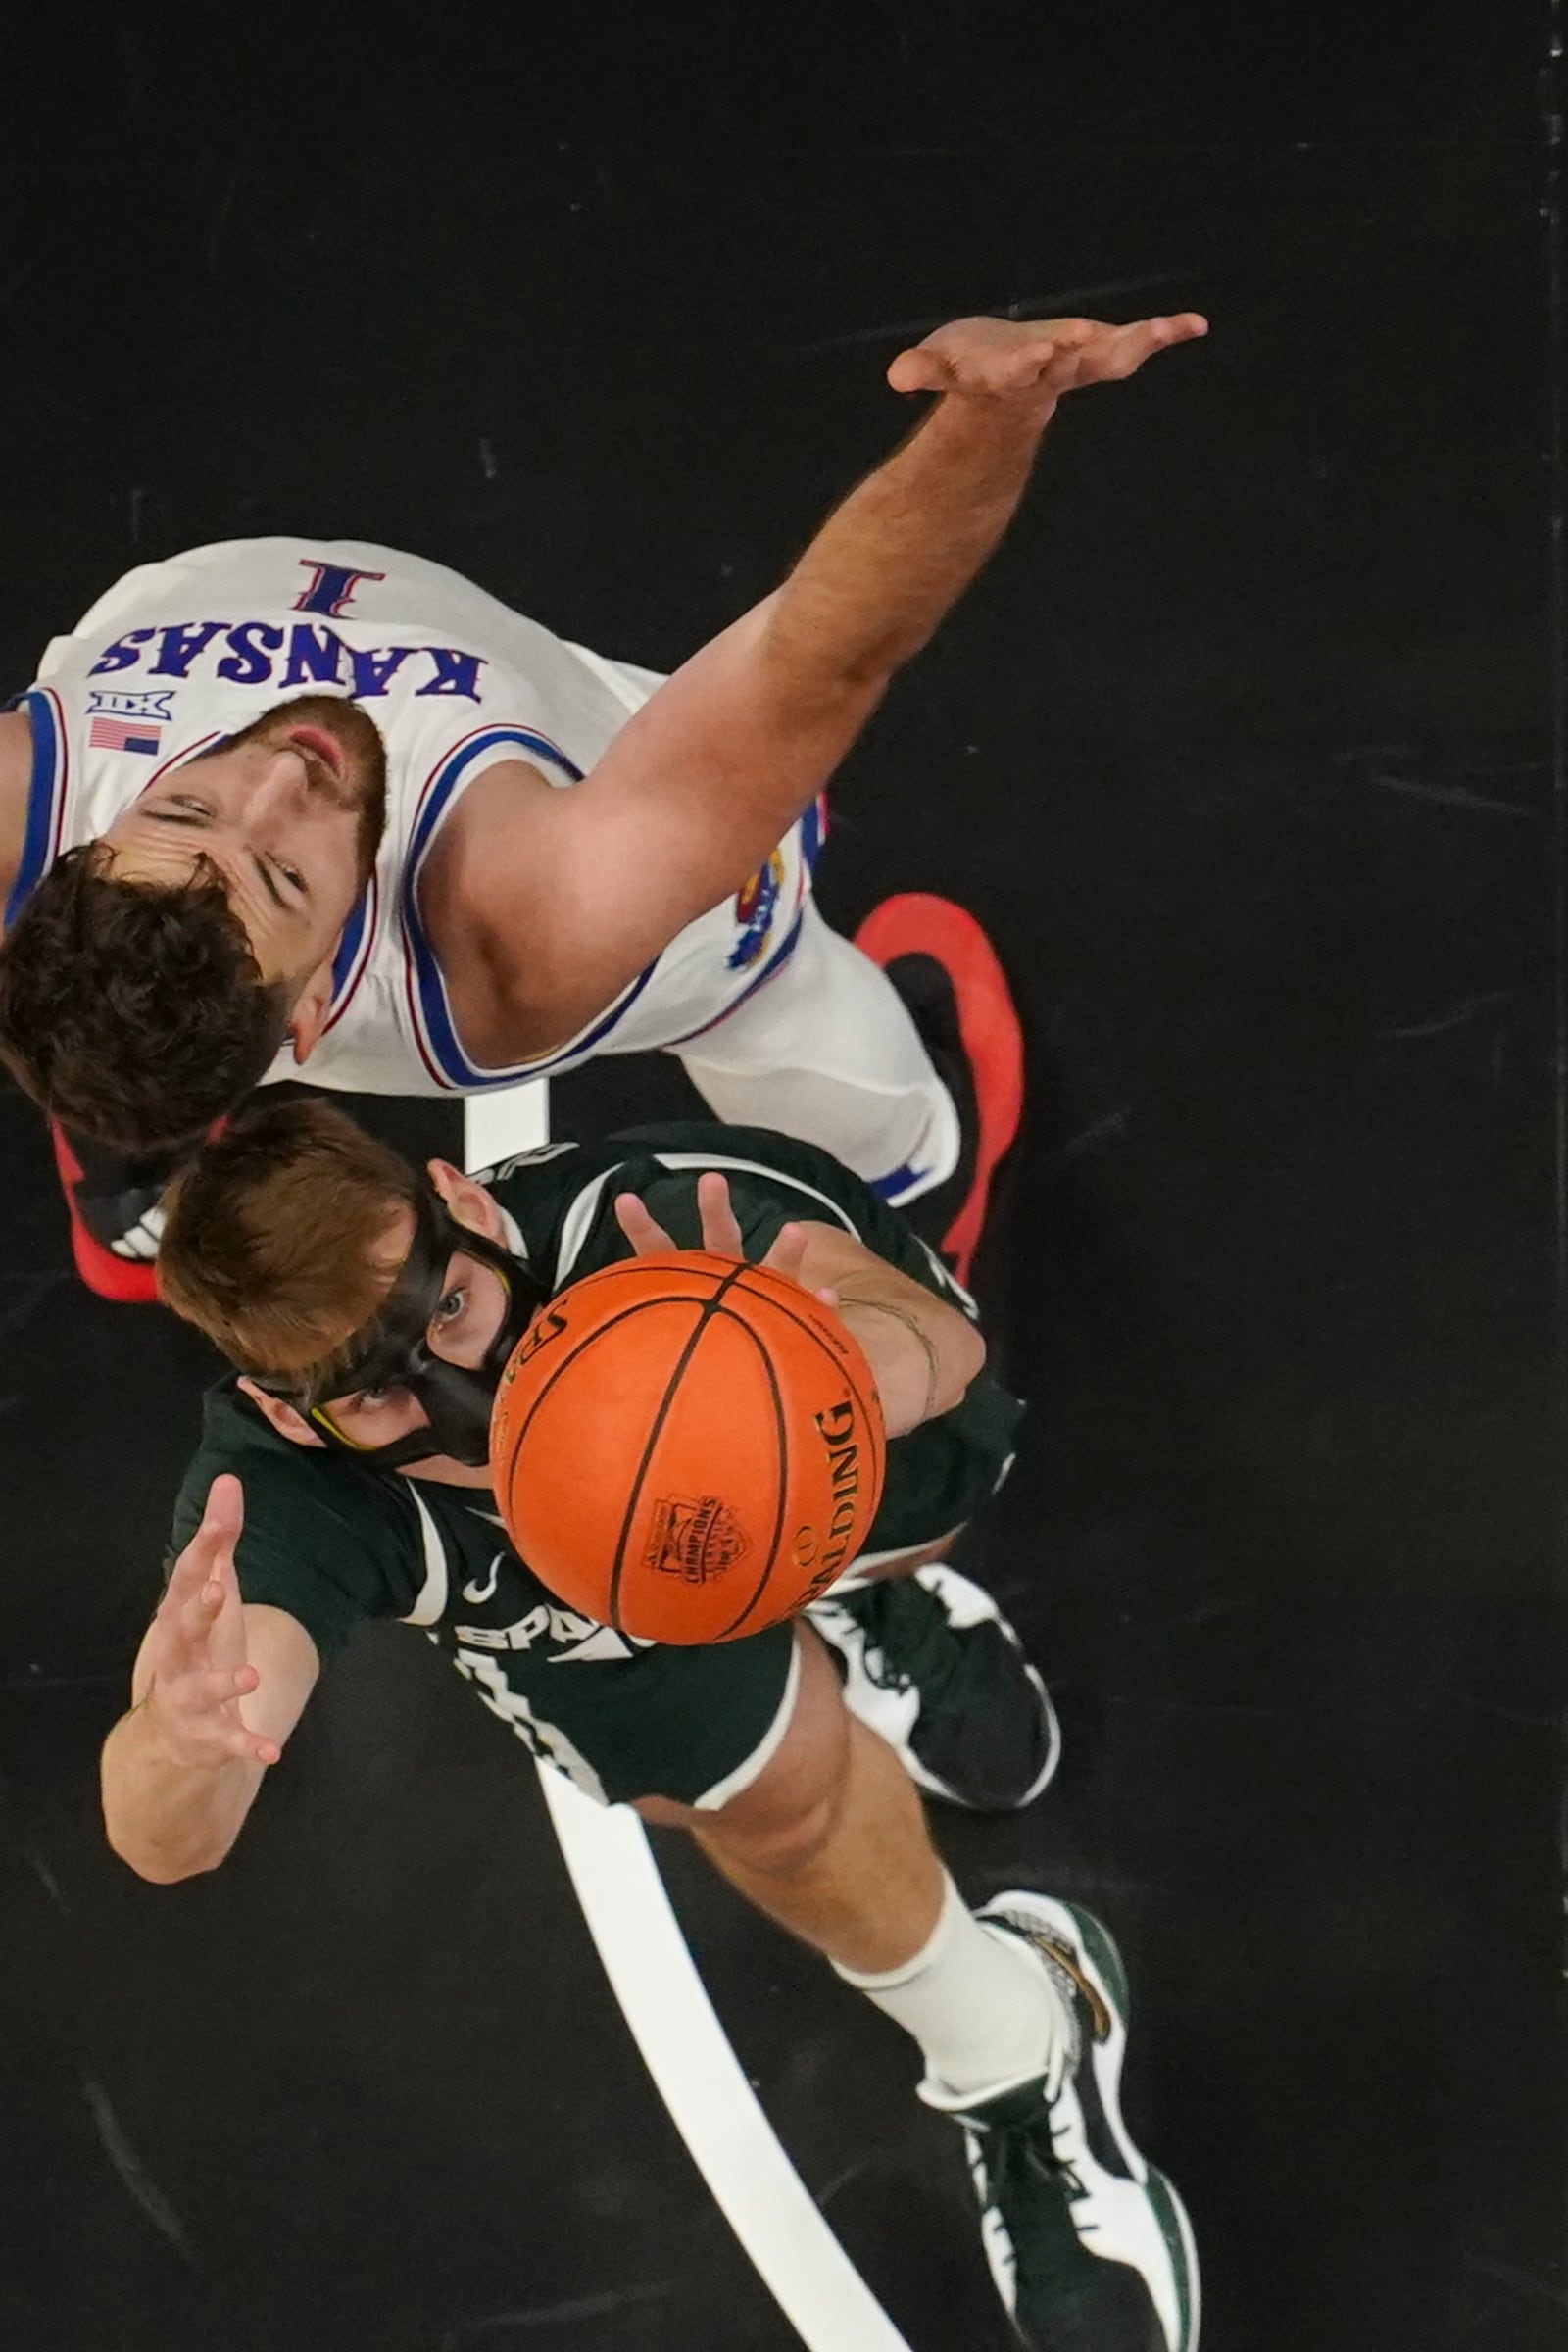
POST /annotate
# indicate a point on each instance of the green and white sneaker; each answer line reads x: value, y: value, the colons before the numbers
x: 1089, y: 2245
x: 931, y: 1664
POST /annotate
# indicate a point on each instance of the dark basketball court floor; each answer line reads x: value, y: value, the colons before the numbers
x: 1248, y: 749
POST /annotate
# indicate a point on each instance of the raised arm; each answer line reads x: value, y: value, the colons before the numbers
x: 923, y: 1352
x: 699, y: 786
x: 216, y: 1689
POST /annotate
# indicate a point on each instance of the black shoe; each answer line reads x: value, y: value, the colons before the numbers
x: 945, y: 970
x: 1089, y: 2245
x: 116, y: 1220
x: 931, y: 1664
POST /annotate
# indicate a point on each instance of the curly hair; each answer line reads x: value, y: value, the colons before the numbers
x: 136, y: 1012
x: 273, y: 1234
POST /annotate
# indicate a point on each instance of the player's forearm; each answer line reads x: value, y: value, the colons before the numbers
x: 167, y: 1819
x: 901, y: 549
x: 922, y: 1353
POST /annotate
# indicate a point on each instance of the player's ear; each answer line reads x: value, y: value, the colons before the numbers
x: 282, y: 1416
x: 468, y: 1202
x: 309, y: 1015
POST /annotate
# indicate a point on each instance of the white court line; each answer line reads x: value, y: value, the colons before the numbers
x: 513, y: 1119
x: 665, y: 2003
x: 700, y: 2078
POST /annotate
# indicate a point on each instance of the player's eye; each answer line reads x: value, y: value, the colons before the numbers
x: 372, y: 1399
x: 451, y: 1304
x: 178, y: 808
x: 290, y: 875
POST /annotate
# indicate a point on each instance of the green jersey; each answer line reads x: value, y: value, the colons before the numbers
x: 331, y: 1542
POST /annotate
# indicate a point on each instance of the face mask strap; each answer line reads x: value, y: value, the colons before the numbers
x: 395, y: 1351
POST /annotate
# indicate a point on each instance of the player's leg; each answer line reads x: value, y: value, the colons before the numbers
x: 826, y: 1050
x: 830, y: 1805
x: 831, y: 1841
x: 921, y: 1105
x: 1018, y: 2013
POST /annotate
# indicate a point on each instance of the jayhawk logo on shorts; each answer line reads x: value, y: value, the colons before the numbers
x: 755, y: 905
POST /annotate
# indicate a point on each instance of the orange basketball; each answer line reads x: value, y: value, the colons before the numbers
x: 686, y: 1447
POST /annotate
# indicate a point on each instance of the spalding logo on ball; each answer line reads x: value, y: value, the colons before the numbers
x: 687, y: 1448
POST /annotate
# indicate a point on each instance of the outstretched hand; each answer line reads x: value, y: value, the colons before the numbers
x: 721, y: 1231
x: 196, y: 1649
x: 1026, y: 365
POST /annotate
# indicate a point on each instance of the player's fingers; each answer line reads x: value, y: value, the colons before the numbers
x: 787, y: 1252
x: 1138, y: 342
x: 221, y: 1521
x: 225, y: 1504
x: 204, y: 1578
x: 645, y: 1234
x: 1002, y: 372
x: 175, y: 1647
x: 1026, y: 362
x: 192, y: 1568
x: 921, y: 370
x: 721, y: 1230
x: 252, y: 1748
x: 174, y: 1650
x: 210, y: 1688
x: 1030, y: 357
x: 185, y: 1580
x: 195, y: 1610
x: 215, y: 1539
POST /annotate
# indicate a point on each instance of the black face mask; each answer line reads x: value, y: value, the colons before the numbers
x: 392, y: 1351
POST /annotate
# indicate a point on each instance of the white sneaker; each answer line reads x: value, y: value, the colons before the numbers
x: 931, y: 1664
x: 1089, y: 2245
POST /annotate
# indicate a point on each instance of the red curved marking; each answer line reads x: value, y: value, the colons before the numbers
x: 918, y: 923
x: 129, y: 1281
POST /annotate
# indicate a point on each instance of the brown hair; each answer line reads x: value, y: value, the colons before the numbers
x: 270, y: 1245
x: 136, y: 1012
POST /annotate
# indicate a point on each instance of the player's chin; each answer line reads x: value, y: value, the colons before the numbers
x: 443, y: 1471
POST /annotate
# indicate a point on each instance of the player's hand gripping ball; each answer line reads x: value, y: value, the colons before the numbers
x: 687, y: 1448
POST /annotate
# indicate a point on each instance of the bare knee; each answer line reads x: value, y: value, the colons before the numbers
x: 785, y: 1848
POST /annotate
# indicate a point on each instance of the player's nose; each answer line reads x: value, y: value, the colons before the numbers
x: 281, y: 787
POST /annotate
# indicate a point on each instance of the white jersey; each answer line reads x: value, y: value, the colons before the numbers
x: 181, y: 654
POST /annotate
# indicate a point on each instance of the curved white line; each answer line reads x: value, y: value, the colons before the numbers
x: 665, y: 2003
x: 505, y: 1121
x: 701, y: 2081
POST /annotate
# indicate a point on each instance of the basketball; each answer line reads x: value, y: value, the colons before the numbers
x: 687, y: 1448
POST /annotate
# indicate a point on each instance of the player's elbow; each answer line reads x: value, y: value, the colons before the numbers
x: 160, y: 1862
x: 157, y: 1868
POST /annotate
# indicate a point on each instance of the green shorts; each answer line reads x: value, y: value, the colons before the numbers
x: 697, y: 1726
x: 700, y: 1725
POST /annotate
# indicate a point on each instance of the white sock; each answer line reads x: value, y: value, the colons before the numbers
x: 984, y: 2012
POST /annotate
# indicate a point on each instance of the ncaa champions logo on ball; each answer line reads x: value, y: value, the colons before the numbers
x: 697, y: 1541
x: 688, y: 1448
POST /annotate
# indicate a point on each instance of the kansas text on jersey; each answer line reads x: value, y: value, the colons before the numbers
x: 178, y: 654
